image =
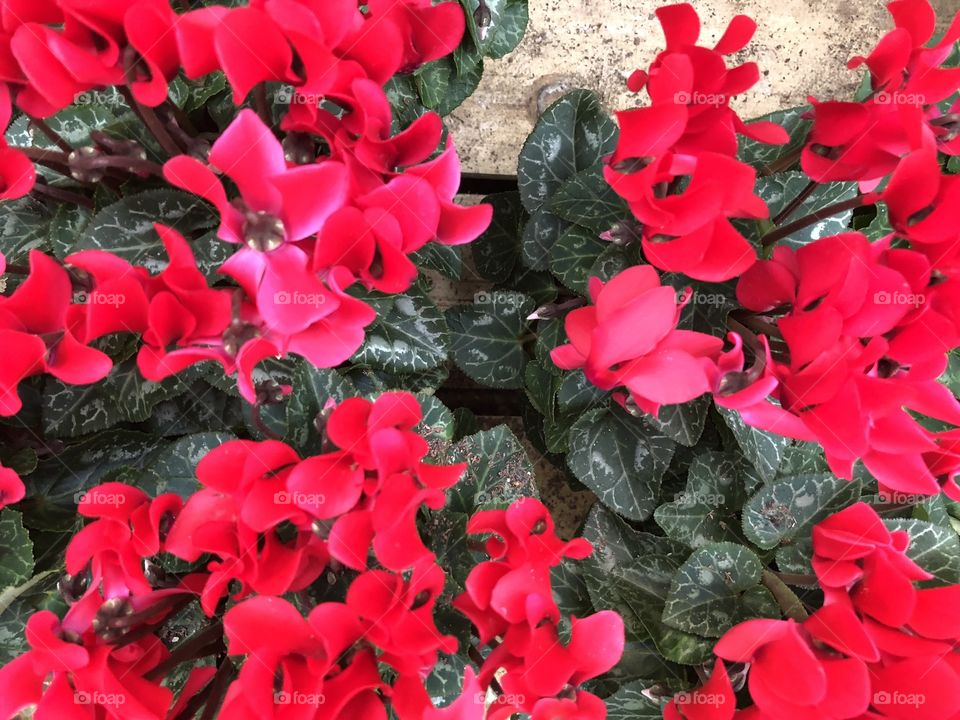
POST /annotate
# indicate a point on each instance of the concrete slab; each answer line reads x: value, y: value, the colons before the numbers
x: 802, y: 47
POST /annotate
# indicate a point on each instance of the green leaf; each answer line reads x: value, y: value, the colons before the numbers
x: 683, y: 423
x: 880, y: 226
x: 445, y: 83
x: 588, y: 200
x: 630, y: 572
x: 708, y: 305
x: 933, y: 547
x: 59, y: 480
x: 438, y: 423
x: 573, y: 256
x: 570, y: 590
x: 497, y: 252
x: 22, y: 461
x: 498, y: 471
x: 803, y: 459
x: 577, y: 394
x: 174, y: 469
x: 612, y: 261
x: 16, y: 550
x: 405, y: 101
x: 621, y: 459
x: 92, y: 110
x: 18, y: 603
x: 705, y: 511
x: 412, y: 337
x: 487, y: 337
x: 125, y: 229
x: 763, y: 449
x: 629, y: 703
x: 789, y: 507
x: 444, y: 259
x: 123, y: 396
x: 572, y: 135
x: 706, y: 596
x: 312, y: 388
x: 762, y: 155
x: 65, y: 227
x: 24, y: 226
x: 541, y: 233
x: 504, y: 30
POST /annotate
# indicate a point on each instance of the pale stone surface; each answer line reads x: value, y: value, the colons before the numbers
x: 802, y: 47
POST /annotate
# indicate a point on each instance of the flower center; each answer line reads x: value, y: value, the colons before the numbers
x: 263, y: 231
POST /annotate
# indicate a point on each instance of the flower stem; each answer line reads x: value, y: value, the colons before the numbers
x: 152, y: 122
x: 201, y: 644
x: 795, y: 204
x: 781, y: 164
x: 787, y: 600
x: 51, y: 134
x: 218, y: 688
x: 815, y: 217
x: 63, y: 195
x: 260, y: 100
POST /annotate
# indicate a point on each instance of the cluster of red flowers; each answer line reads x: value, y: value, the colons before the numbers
x: 675, y: 162
x: 866, y: 329
x: 54, y: 50
x: 847, y: 338
x: 267, y: 524
x: 341, y: 200
x: 510, y: 601
x: 865, y: 141
x: 880, y: 647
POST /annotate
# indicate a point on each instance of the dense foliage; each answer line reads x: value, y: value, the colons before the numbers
x: 227, y: 485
